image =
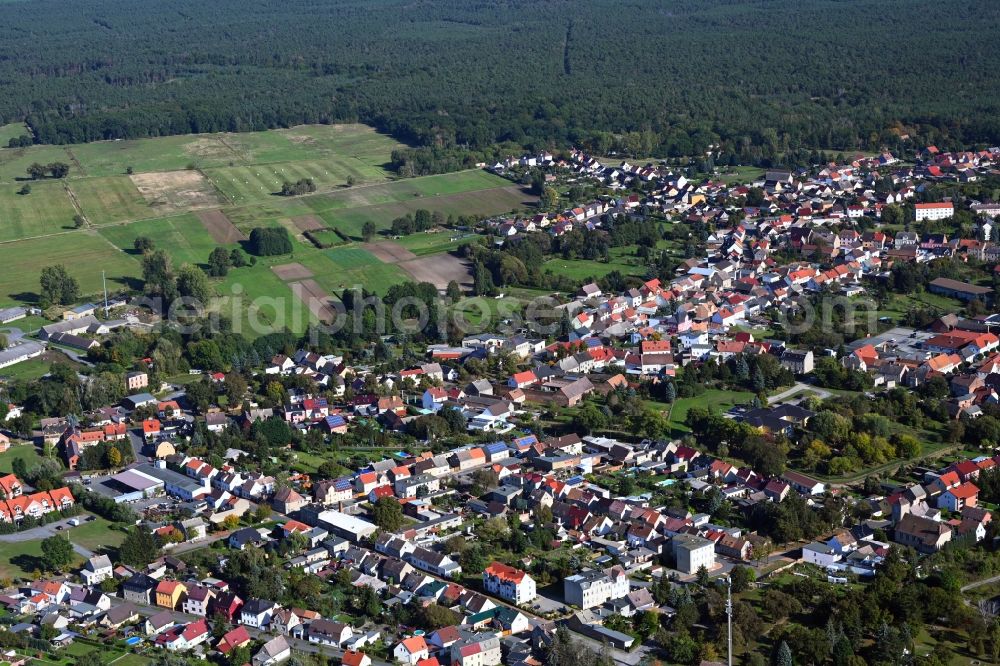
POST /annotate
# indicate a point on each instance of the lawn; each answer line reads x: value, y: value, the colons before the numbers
x: 47, y: 209
x: 84, y: 253
x: 25, y: 451
x: 902, y: 303
x: 735, y: 174
x: 583, y: 270
x: 28, y: 324
x: 18, y: 559
x: 96, y: 535
x: 479, y: 313
x: 27, y: 370
x: 132, y: 660
x: 110, y: 199
x: 715, y: 399
x: 184, y: 237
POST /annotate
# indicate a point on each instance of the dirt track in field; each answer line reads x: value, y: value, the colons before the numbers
x: 219, y: 227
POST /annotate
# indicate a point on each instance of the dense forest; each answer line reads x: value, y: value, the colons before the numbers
x: 663, y: 77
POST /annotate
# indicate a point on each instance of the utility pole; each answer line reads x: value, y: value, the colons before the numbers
x: 104, y: 281
x: 729, y: 615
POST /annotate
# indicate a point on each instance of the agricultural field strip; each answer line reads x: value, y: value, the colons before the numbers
x: 155, y: 215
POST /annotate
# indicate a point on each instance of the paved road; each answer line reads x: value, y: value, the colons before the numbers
x: 45, y: 531
x: 979, y: 583
x: 799, y: 387
x: 136, y: 440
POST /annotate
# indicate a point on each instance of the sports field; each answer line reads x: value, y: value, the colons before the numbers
x: 110, y: 199
x: 47, y: 210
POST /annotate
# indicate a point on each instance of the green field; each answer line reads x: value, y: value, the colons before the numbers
x: 351, y: 257
x: 714, y: 399
x: 358, y: 267
x: 327, y: 153
x: 245, y: 184
x: 15, y: 161
x: 20, y: 559
x: 327, y: 237
x: 184, y: 237
x: 375, y: 277
x: 254, y: 298
x: 166, y: 153
x: 47, y: 210
x: 357, y: 149
x: 110, y: 199
x: 435, y: 243
x: 24, y: 451
x: 84, y: 253
x: 460, y: 193
x: 584, y: 269
x: 411, y: 188
x: 36, y: 367
x: 96, y: 535
x: 12, y: 131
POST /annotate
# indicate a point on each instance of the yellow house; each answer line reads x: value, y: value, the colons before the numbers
x: 696, y: 199
x: 170, y: 594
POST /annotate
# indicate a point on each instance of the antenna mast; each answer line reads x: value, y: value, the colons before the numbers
x: 729, y: 616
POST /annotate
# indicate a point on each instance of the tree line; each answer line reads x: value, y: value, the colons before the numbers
x: 712, y: 74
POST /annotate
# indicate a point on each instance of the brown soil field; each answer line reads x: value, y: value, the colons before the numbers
x: 308, y: 223
x: 316, y: 298
x: 176, y: 190
x: 219, y: 227
x: 389, y: 253
x: 439, y: 270
x: 293, y: 271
